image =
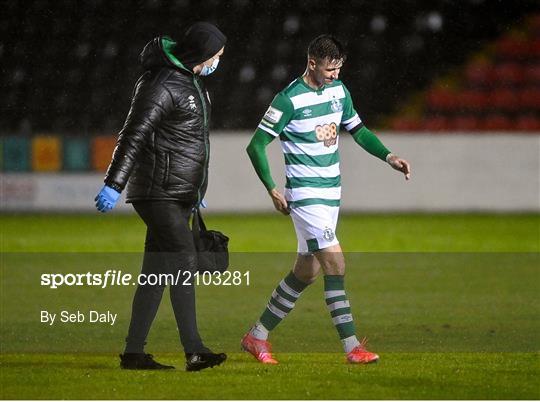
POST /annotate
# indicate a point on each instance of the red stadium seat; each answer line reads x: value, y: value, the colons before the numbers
x: 497, y: 122
x: 465, y: 123
x: 504, y: 99
x: 534, y: 48
x: 528, y: 123
x: 508, y: 74
x: 441, y: 100
x: 405, y: 124
x: 529, y: 99
x: 435, y: 123
x: 512, y: 48
x: 479, y: 74
x: 532, y: 74
x: 474, y: 100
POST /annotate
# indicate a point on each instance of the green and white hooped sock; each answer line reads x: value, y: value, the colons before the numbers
x: 259, y: 331
x: 280, y: 304
x: 340, y: 310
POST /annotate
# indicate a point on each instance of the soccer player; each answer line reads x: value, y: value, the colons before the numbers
x: 307, y: 116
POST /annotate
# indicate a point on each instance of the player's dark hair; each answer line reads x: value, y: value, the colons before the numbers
x: 326, y: 47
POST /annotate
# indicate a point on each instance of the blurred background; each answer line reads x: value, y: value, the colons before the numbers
x: 454, y: 86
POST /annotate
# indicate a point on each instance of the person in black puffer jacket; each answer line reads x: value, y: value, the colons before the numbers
x: 162, y: 157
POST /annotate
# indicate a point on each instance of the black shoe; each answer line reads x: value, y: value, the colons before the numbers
x: 201, y: 360
x: 141, y: 361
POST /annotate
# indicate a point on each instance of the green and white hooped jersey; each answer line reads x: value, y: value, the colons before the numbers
x: 307, y: 122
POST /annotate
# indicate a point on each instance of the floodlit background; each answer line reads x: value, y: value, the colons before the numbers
x: 452, y: 86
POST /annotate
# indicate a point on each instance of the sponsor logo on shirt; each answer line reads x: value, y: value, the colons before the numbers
x: 273, y: 115
x: 327, y: 133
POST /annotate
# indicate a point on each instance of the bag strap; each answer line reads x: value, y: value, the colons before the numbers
x: 198, y: 225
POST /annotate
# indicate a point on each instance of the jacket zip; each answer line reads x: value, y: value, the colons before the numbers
x: 205, y: 167
x: 167, y: 168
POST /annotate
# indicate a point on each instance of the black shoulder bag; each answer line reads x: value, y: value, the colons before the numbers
x: 212, y: 246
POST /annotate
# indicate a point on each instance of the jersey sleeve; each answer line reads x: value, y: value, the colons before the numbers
x: 350, y: 120
x: 257, y: 154
x: 278, y: 115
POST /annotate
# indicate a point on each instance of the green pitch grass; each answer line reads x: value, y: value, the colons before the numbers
x: 274, y: 232
x: 450, y: 302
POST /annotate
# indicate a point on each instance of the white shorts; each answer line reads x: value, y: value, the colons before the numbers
x: 315, y: 227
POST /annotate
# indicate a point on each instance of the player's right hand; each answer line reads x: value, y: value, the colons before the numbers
x: 280, y: 203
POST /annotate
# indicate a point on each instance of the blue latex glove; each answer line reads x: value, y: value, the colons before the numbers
x: 106, y: 199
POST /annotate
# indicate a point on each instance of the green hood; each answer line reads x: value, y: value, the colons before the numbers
x: 159, y: 52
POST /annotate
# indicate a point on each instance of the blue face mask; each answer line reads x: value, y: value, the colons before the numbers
x: 209, y: 70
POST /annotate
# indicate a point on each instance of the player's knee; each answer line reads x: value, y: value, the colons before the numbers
x: 334, y: 266
x: 306, y: 277
x: 335, y: 269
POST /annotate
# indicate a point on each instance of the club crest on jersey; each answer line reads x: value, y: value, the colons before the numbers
x: 328, y: 234
x: 336, y: 105
x: 327, y: 133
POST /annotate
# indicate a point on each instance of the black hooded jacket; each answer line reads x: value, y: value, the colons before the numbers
x: 163, y: 148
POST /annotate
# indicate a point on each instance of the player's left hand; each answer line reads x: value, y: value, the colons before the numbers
x: 399, y: 164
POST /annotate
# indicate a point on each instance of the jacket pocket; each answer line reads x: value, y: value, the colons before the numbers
x: 166, y: 171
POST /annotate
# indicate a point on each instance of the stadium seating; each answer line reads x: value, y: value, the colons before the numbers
x: 69, y: 68
x: 499, y: 90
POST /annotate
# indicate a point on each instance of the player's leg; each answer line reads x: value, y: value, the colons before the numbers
x: 332, y: 262
x: 283, y: 298
x: 281, y: 303
x: 285, y: 295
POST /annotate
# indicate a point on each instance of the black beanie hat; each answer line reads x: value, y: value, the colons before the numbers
x: 200, y: 42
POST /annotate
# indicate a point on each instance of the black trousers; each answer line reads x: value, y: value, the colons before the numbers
x: 168, y: 248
